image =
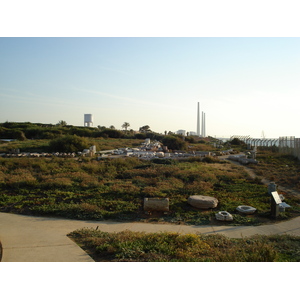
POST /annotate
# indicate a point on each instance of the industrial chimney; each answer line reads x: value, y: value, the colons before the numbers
x: 198, y: 120
x: 203, y: 128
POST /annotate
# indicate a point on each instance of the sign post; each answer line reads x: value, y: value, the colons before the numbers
x: 275, y: 201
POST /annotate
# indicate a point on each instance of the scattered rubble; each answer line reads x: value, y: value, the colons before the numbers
x: 148, y: 150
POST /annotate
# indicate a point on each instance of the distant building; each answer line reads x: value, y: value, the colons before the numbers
x: 88, y: 120
x: 193, y: 133
x: 181, y: 132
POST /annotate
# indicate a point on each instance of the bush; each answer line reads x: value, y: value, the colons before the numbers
x: 68, y: 143
x: 237, y: 142
x: 140, y: 136
x: 19, y: 135
x: 112, y: 133
x: 174, y: 143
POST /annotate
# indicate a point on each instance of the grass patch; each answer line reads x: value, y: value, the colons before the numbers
x: 283, y: 169
x: 127, y: 246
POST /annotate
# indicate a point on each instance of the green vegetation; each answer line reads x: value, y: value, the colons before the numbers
x: 69, y: 143
x: 85, y: 188
x: 283, y: 169
x: 29, y: 133
x: 40, y: 146
x: 174, y: 143
x: 129, y: 246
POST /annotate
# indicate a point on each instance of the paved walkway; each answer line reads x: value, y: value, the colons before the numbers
x: 40, y: 239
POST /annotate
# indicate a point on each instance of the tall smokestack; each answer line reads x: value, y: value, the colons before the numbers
x: 204, y: 125
x: 198, y: 120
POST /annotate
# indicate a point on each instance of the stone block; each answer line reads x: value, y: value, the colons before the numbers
x: 156, y: 204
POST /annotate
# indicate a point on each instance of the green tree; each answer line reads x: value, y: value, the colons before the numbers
x: 126, y: 125
x: 145, y: 128
x: 61, y: 123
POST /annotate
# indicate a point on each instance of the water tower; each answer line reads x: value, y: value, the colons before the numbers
x: 88, y: 120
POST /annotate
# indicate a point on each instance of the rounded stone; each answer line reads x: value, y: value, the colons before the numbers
x: 204, y: 202
x: 245, y: 209
x: 224, y: 216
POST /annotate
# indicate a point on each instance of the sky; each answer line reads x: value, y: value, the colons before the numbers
x: 151, y: 64
x: 245, y: 86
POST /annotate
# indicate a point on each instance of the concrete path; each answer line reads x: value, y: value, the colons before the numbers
x: 40, y: 239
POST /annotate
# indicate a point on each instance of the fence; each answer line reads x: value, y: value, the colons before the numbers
x: 256, y: 142
x: 289, y: 145
x: 286, y: 144
x: 262, y: 142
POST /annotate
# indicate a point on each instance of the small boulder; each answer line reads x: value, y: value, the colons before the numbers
x: 204, y: 202
x: 245, y: 209
x: 224, y: 216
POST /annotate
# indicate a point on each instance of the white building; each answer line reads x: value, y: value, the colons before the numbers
x: 181, y: 131
x: 192, y: 133
x: 88, y: 120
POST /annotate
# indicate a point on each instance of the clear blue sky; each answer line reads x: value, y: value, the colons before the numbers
x: 244, y: 85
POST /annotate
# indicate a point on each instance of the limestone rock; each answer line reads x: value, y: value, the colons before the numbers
x: 204, y: 202
x: 156, y: 204
x: 245, y: 209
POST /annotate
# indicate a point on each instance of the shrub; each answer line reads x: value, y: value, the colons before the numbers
x: 112, y: 133
x: 68, y: 143
x: 174, y: 143
x: 19, y: 135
